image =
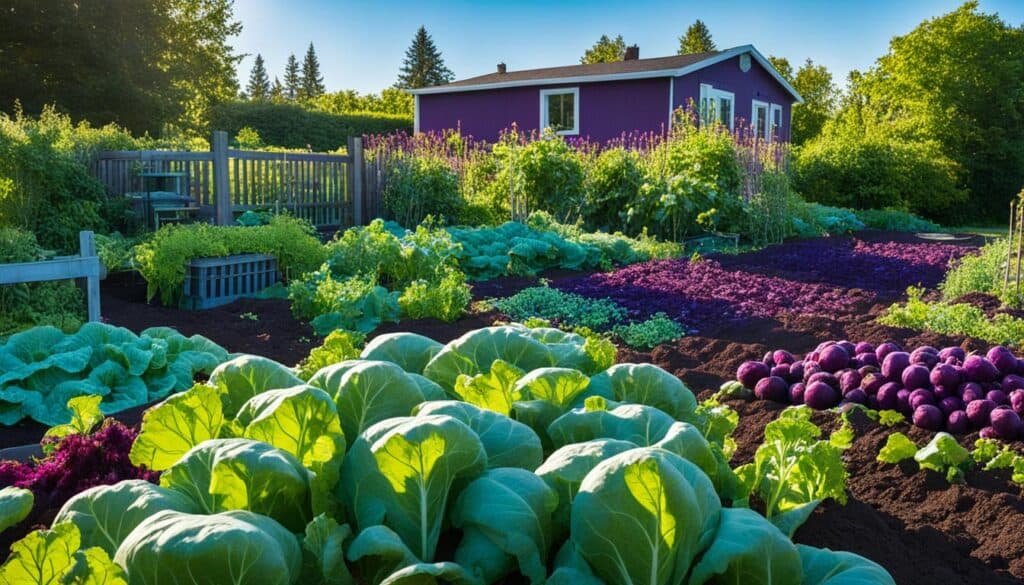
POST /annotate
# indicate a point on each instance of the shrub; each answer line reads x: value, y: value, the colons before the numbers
x: 769, y: 213
x: 979, y: 273
x: 418, y: 186
x: 954, y: 319
x: 292, y: 126
x: 561, y: 308
x: 163, y: 258
x: 895, y: 220
x: 57, y: 303
x: 446, y: 299
x: 613, y: 182
x: 810, y: 220
x: 865, y: 171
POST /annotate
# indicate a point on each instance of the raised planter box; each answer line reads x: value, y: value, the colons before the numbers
x: 212, y: 282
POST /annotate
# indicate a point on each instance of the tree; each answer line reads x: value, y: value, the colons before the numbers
x: 781, y: 64
x: 814, y: 84
x: 955, y: 80
x: 423, y: 65
x: 258, y: 87
x: 312, y: 82
x: 277, y: 91
x: 605, y: 50
x: 292, y: 79
x: 696, y: 40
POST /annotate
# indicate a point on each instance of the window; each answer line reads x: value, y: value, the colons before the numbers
x: 776, y: 128
x: 759, y: 119
x: 716, y: 106
x: 560, y: 110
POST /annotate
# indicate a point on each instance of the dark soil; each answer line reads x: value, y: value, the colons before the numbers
x: 923, y: 530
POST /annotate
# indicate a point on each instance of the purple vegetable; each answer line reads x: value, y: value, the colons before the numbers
x: 952, y: 352
x: 868, y: 359
x: 944, y: 375
x: 834, y: 358
x: 888, y: 396
x: 856, y: 395
x: 999, y: 397
x: 921, y: 396
x: 820, y: 396
x: 894, y: 364
x: 885, y: 349
x: 927, y: 349
x: 1017, y: 401
x: 812, y: 356
x: 924, y: 358
x: 796, y: 370
x: 1003, y: 359
x: 750, y: 373
x: 849, y: 380
x: 1012, y: 382
x: 811, y: 368
x: 865, y: 370
x: 796, y: 393
x: 781, y: 371
x: 971, y: 391
x: 903, y: 402
x: 1005, y: 423
x: 782, y: 357
x: 988, y: 433
x: 941, y: 392
x: 872, y: 382
x: 847, y: 346
x: 979, y: 411
x: 864, y: 347
x: 950, y: 404
x: 772, y: 388
x: 928, y: 416
x: 957, y: 422
x: 1020, y: 366
x: 767, y: 360
x: 825, y: 377
x: 979, y: 369
x: 915, y: 376
x: 853, y: 364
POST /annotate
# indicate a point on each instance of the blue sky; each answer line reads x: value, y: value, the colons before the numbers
x: 361, y: 43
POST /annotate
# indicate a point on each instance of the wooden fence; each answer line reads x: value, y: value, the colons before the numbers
x: 86, y: 265
x: 326, y: 189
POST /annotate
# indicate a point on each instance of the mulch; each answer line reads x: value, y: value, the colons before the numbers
x: 923, y: 530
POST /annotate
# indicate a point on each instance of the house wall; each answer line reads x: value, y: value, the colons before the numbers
x: 755, y: 84
x: 607, y: 109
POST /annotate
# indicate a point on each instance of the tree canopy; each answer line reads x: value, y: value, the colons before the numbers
x: 423, y: 65
x: 605, y: 50
x: 312, y: 84
x: 258, y: 87
x: 292, y: 79
x: 697, y: 39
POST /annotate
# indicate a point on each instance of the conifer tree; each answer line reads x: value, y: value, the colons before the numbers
x: 312, y: 81
x: 696, y: 40
x: 259, y: 83
x: 423, y: 65
x: 292, y: 80
x: 276, y: 91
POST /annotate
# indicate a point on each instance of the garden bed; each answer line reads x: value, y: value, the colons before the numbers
x: 920, y: 528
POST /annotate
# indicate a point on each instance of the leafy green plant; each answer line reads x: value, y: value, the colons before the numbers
x: 651, y: 332
x: 558, y: 306
x: 337, y: 347
x: 943, y: 454
x: 895, y: 220
x: 57, y: 303
x: 419, y: 186
x: 953, y: 319
x: 982, y: 273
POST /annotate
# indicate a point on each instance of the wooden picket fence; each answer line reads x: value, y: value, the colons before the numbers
x: 85, y: 265
x: 326, y: 189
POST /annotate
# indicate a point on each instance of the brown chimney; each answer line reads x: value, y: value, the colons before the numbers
x: 632, y: 53
x: 501, y: 68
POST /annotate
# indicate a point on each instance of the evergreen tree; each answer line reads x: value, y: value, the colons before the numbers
x: 292, y: 80
x: 696, y: 40
x: 259, y: 83
x: 605, y: 50
x: 423, y: 65
x: 312, y: 82
x: 276, y: 91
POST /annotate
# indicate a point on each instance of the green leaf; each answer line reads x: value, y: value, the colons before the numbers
x: 649, y: 385
x: 791, y: 520
x: 323, y: 553
x: 245, y: 376
x: 302, y: 421
x: 176, y: 425
x: 367, y: 392
x: 15, y: 505
x: 378, y: 553
x: 638, y: 424
x: 944, y: 454
x: 85, y: 415
x: 508, y: 443
x: 898, y: 447
x: 474, y: 352
x: 93, y: 566
x: 43, y: 557
x: 822, y: 566
x: 495, y: 390
x: 750, y: 550
x: 412, y: 352
x: 432, y: 574
x: 890, y: 418
x: 559, y: 386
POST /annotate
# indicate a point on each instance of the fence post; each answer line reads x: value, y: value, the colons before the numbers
x: 355, y: 150
x: 87, y: 249
x: 221, y: 188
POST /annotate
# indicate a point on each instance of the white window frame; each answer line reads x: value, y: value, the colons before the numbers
x: 775, y: 131
x: 708, y: 92
x: 754, y: 119
x: 545, y: 123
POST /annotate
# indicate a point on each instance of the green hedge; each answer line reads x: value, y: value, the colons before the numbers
x: 292, y: 126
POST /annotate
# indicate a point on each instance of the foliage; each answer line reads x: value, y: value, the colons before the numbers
x: 650, y: 333
x: 605, y: 50
x: 868, y: 169
x: 811, y: 220
x: 613, y: 182
x: 953, y: 319
x: 446, y: 299
x: 57, y: 303
x: 293, y: 126
x: 943, y: 454
x: 821, y: 96
x: 895, y: 220
x: 982, y: 273
x: 116, y: 252
x: 258, y: 87
x: 417, y: 186
x: 697, y: 39
x: 44, y: 368
x: 423, y: 65
x: 312, y: 84
x: 925, y: 91
x: 140, y: 65
x: 390, y: 100
x: 561, y: 307
x: 337, y: 347
x: 163, y: 258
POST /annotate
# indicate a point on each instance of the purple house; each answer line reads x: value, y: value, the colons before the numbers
x: 600, y: 101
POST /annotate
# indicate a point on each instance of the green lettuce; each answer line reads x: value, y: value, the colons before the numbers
x: 822, y: 566
x: 410, y: 351
x: 750, y: 550
x: 508, y: 443
x: 245, y: 376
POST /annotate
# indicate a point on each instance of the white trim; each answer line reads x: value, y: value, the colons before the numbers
x: 708, y: 92
x: 773, y: 131
x: 415, y: 113
x: 575, y: 91
x: 671, y: 100
x: 754, y: 104
x: 717, y: 58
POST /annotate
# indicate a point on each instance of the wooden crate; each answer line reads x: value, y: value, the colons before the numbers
x: 212, y: 282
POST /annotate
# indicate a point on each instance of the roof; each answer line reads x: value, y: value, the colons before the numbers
x: 672, y: 66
